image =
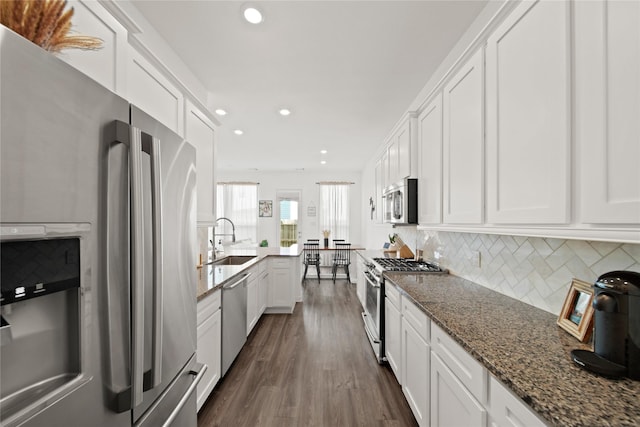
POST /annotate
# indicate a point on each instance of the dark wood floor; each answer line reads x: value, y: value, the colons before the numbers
x: 312, y: 368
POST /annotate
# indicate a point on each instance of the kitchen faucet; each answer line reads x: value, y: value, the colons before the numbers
x: 233, y: 233
x: 233, y: 229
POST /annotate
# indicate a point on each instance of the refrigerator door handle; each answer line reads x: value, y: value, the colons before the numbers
x: 151, y: 145
x: 137, y: 265
x: 202, y: 368
x: 185, y: 398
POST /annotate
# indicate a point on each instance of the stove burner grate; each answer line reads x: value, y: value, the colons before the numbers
x: 398, y: 264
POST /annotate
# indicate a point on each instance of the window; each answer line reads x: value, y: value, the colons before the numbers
x: 239, y: 203
x: 334, y: 210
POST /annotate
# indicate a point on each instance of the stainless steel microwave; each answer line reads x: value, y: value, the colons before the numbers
x: 401, y: 202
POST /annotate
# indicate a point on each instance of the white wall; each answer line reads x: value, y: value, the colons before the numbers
x: 305, y: 181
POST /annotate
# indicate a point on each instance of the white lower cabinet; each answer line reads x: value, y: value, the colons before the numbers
x: 464, y: 366
x: 443, y: 384
x: 508, y: 410
x: 451, y: 403
x: 284, y: 276
x: 263, y: 288
x: 415, y: 369
x: 253, y: 297
x: 393, y: 336
x: 209, y: 320
x: 361, y: 287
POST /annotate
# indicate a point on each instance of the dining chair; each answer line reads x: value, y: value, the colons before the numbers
x: 342, y: 258
x: 334, y: 245
x: 311, y: 254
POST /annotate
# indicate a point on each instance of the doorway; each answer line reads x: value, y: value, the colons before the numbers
x: 288, y: 211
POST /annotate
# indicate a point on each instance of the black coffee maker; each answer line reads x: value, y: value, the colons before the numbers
x: 616, y: 336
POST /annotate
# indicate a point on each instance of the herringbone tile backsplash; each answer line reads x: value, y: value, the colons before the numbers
x: 535, y: 270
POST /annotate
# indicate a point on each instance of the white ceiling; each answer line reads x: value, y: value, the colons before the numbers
x: 348, y: 70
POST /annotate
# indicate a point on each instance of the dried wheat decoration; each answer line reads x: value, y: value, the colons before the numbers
x: 45, y: 23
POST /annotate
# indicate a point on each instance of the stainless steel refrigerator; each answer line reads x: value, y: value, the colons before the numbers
x: 98, y: 235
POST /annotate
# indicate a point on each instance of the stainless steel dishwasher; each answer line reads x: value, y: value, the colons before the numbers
x: 234, y: 320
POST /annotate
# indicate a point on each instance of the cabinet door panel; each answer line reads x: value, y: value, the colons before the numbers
x: 430, y: 163
x: 466, y: 368
x: 507, y: 410
x: 378, y: 187
x: 451, y: 403
x: 415, y: 368
x: 209, y: 351
x: 404, y: 150
x: 149, y: 90
x: 385, y: 169
x: 393, y: 335
x: 607, y: 107
x: 528, y: 116
x: 252, y: 302
x: 393, y: 162
x: 200, y: 132
x: 463, y: 130
x: 263, y: 292
x: 106, y: 65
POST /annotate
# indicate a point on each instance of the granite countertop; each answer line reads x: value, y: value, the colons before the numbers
x: 523, y: 347
x: 211, y: 276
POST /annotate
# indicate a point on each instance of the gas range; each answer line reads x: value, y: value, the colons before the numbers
x: 399, y: 264
x: 374, y: 311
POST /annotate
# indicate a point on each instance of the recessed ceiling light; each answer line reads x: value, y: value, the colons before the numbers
x: 284, y: 112
x: 253, y: 15
x: 221, y: 112
x: 323, y: 162
x: 238, y: 132
x: 323, y: 151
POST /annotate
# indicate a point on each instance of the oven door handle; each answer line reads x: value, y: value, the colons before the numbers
x: 367, y: 329
x: 374, y: 283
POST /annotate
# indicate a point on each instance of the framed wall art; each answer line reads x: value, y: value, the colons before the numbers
x: 265, y: 208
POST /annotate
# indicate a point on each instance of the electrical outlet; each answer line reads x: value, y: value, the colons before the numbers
x: 476, y: 259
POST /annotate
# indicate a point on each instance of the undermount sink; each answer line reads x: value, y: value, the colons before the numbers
x: 233, y: 260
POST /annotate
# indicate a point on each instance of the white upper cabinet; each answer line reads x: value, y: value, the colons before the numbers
x: 106, y: 65
x: 393, y: 157
x: 150, y: 90
x: 378, y: 187
x: 430, y: 163
x: 200, y: 132
x: 463, y: 132
x: 607, y: 110
x: 385, y: 169
x: 528, y: 116
x: 403, y: 139
x: 400, y: 149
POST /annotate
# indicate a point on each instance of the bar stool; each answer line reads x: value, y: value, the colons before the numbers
x: 311, y: 255
x: 342, y: 258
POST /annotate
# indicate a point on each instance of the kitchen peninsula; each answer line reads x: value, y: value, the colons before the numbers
x: 212, y: 276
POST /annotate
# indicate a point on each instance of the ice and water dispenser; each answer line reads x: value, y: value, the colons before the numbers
x: 41, y: 310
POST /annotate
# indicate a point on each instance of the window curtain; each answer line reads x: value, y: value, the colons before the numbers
x: 239, y: 203
x: 334, y: 210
